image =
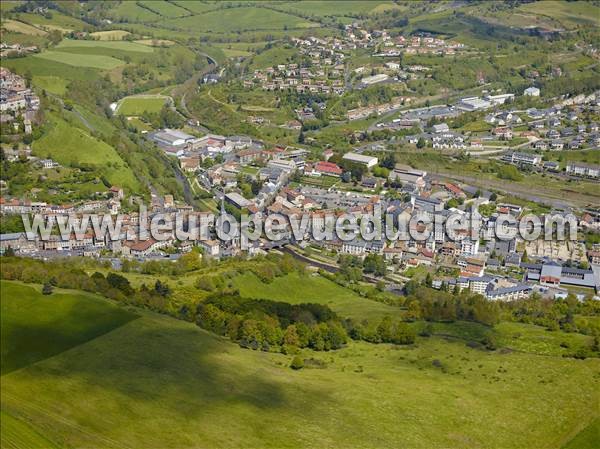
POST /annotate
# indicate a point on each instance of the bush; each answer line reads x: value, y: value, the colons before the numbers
x: 47, y: 289
x: 297, y: 363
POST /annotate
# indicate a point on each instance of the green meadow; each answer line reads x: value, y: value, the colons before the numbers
x: 121, y: 388
x: 338, y: 8
x: 112, y: 45
x: 79, y: 60
x: 133, y: 106
x: 69, y: 145
x: 111, y: 35
x: 35, y: 327
x: 164, y: 8
x: 246, y: 18
x: 295, y: 289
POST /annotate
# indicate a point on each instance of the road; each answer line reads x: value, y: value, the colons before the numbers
x: 191, y: 84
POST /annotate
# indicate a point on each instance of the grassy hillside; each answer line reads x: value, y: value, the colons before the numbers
x: 588, y: 438
x: 248, y: 18
x: 16, y: 434
x: 77, y: 60
x: 35, y: 327
x: 112, y: 45
x: 73, y: 146
x: 339, y: 8
x: 159, y: 382
x: 297, y: 289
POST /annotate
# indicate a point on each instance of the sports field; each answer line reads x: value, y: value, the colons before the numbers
x: 137, y: 105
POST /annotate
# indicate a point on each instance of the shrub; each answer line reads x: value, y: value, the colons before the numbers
x: 47, y: 289
x: 297, y: 363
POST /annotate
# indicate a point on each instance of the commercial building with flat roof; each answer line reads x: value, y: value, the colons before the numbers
x: 369, y: 161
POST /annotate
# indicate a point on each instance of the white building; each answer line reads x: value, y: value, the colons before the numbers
x: 531, y: 92
x: 473, y: 104
x: 588, y: 171
x: 369, y: 161
x: 370, y: 80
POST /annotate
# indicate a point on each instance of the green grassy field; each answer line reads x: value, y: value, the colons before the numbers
x: 164, y: 8
x: 53, y: 84
x: 58, y: 21
x: 159, y: 382
x: 21, y: 27
x: 339, y: 8
x: 197, y: 7
x: 40, y: 67
x: 112, y: 35
x: 297, y: 289
x: 15, y: 434
x: 246, y: 18
x: 132, y: 12
x: 35, y: 327
x: 133, y: 106
x: 72, y: 146
x: 112, y: 45
x: 77, y: 60
x: 588, y: 438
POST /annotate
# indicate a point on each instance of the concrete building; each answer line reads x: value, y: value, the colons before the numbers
x: 369, y: 161
x: 531, y: 92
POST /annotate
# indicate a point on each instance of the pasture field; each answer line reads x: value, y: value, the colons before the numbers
x: 155, y: 370
x: 16, y: 434
x: 586, y: 439
x: 112, y: 45
x: 97, y: 122
x: 69, y: 145
x: 35, y: 327
x: 245, y: 19
x: 137, y: 105
x: 338, y: 8
x: 569, y: 14
x: 101, y: 62
x: 132, y: 12
x: 295, y: 289
x: 59, y: 21
x: 112, y: 35
x: 40, y: 67
x: 155, y: 42
x: 197, y: 7
x: 9, y: 5
x: 53, y: 84
x: 12, y: 37
x: 273, y: 56
x: 22, y: 27
x: 164, y: 8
